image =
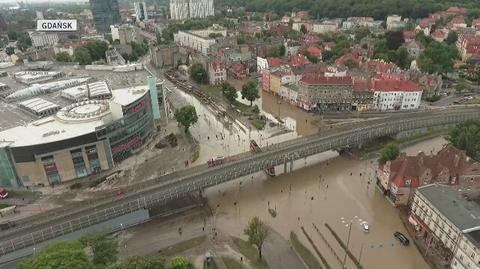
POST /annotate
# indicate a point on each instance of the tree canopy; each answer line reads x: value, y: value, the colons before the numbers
x: 257, y: 232
x: 466, y: 136
x: 186, y: 116
x: 104, y: 248
x: 59, y: 255
x: 198, y: 73
x: 179, y: 262
x: 389, y: 153
x: 229, y: 92
x: 438, y: 58
x: 250, y: 91
x: 63, y: 57
x: 379, y: 9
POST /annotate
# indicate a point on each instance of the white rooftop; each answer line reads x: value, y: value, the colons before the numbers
x: 38, y: 105
x: 75, y: 93
x: 127, y: 96
x: 72, y: 121
x: 98, y: 88
x: 36, y: 89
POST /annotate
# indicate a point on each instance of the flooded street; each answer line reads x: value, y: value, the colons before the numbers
x: 216, y: 139
x: 302, y: 198
x: 337, y: 191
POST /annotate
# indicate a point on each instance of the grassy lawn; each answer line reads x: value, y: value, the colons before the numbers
x: 24, y: 194
x: 473, y: 102
x: 4, y: 206
x: 258, y: 123
x: 250, y: 252
x: 182, y: 246
x: 242, y: 107
x: 212, y: 265
x: 232, y: 263
x: 213, y: 91
x: 306, y: 255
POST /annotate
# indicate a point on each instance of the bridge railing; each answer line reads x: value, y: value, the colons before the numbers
x: 200, y: 179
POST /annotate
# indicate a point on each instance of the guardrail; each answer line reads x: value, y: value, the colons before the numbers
x: 163, y: 189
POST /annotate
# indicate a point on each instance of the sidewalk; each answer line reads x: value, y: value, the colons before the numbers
x: 279, y: 253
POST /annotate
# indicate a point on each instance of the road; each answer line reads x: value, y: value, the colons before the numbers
x: 157, y: 191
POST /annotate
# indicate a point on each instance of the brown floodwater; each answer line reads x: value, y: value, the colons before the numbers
x: 302, y: 198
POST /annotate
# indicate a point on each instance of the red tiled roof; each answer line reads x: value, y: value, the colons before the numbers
x: 426, y: 22
x: 238, y: 67
x: 476, y: 22
x: 408, y: 34
x: 321, y: 80
x: 380, y: 66
x: 314, y: 51
x: 387, y: 85
x: 438, y: 34
x: 298, y: 60
x: 274, y: 62
x: 457, y: 10
x: 215, y: 65
x: 361, y: 85
x: 302, y: 14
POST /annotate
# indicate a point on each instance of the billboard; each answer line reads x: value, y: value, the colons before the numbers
x: 56, y: 25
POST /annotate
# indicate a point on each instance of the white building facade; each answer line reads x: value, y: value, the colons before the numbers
x: 43, y: 39
x: 140, y: 11
x: 186, y: 9
x: 197, y: 40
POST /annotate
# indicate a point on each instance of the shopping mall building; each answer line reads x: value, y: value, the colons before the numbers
x: 81, y: 139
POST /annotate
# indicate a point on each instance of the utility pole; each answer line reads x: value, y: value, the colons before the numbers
x: 348, y: 242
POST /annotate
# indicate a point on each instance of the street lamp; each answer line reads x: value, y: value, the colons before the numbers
x: 348, y: 223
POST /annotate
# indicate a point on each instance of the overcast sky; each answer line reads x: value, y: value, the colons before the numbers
x: 38, y: 1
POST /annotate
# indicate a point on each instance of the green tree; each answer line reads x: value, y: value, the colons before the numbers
x: 437, y: 58
x: 410, y: 25
x: 142, y: 262
x: 327, y: 55
x: 361, y: 33
x: 97, y: 49
x: 229, y: 92
x: 12, y: 35
x: 179, y: 262
x: 460, y: 85
x: 257, y: 232
x: 104, y: 248
x: 198, y: 73
x: 281, y: 50
x: 82, y: 55
x: 250, y: 91
x: 389, y: 153
x: 451, y: 38
x: 349, y: 63
x: 9, y: 50
x: 23, y: 41
x: 403, y: 58
x: 466, y: 136
x: 63, y: 57
x: 186, y: 116
x: 394, y: 39
x: 303, y: 29
x: 59, y: 255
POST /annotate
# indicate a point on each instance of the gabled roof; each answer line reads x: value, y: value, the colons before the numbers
x: 298, y: 60
x: 387, y: 85
x: 314, y: 51
x: 457, y: 10
x: 322, y: 80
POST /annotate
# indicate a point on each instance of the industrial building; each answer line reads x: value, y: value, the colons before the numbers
x: 81, y: 139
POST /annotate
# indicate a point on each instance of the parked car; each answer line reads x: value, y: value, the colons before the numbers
x: 402, y: 238
x: 365, y: 227
x: 3, y: 193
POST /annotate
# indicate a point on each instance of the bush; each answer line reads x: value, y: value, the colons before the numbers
x: 75, y: 186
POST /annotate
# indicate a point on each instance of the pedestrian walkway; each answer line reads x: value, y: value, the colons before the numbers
x: 279, y: 253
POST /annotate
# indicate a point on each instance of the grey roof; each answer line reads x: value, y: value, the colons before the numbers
x: 474, y: 237
x: 465, y: 215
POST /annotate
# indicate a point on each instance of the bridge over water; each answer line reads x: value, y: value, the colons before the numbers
x: 31, y: 231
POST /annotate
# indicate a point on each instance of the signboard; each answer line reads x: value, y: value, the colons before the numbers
x: 56, y: 25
